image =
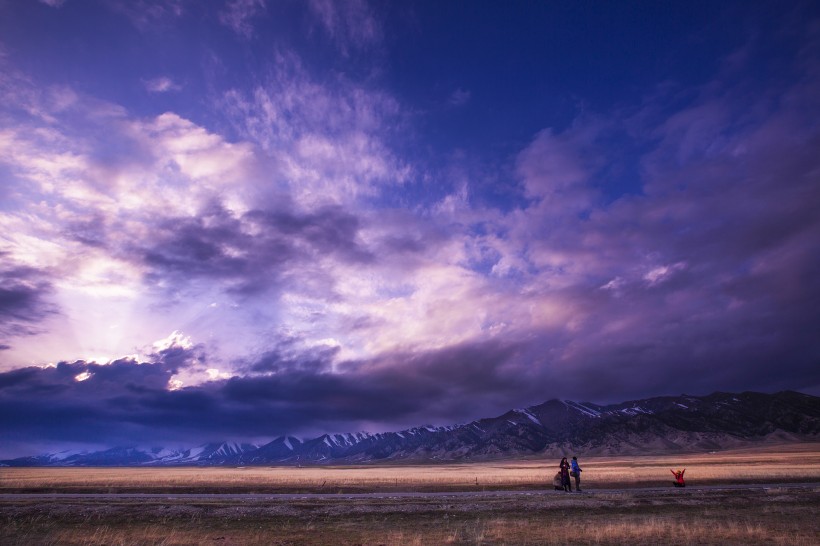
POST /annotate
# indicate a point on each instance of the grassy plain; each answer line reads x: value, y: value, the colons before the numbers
x: 775, y: 514
x: 779, y: 464
x: 779, y: 515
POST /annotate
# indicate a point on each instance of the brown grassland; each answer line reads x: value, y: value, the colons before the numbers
x: 617, y: 509
x: 771, y: 464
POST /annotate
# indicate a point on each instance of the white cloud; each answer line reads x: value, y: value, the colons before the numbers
x: 614, y: 285
x: 162, y: 84
x: 552, y: 169
x: 102, y: 276
x: 174, y: 339
x: 661, y: 273
x: 199, y: 155
x: 327, y: 144
x: 351, y: 24
x: 238, y: 15
x: 214, y: 374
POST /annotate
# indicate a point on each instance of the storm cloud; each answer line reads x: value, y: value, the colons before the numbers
x: 131, y: 402
x: 24, y: 300
x: 256, y: 251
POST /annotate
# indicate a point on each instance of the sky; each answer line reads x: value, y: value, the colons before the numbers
x: 238, y: 219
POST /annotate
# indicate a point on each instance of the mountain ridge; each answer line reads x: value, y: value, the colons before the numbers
x: 682, y: 423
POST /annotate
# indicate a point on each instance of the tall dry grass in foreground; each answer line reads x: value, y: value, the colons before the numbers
x: 777, y: 464
x: 537, y: 529
x: 771, y: 515
x: 769, y: 465
x: 649, y: 530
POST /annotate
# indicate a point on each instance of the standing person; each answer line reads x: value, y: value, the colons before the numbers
x: 565, y: 475
x: 576, y: 472
x: 679, y: 482
x: 557, y: 482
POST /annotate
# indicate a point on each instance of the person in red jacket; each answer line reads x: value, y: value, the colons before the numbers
x: 679, y: 478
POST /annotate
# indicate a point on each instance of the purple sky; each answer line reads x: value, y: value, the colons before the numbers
x: 244, y: 218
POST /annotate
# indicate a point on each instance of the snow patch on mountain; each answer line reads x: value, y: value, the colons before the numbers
x: 589, y: 412
x: 529, y: 415
x: 65, y: 454
x: 635, y: 410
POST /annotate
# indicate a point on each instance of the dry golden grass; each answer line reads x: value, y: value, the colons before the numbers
x: 634, y: 530
x: 799, y: 462
x: 786, y: 517
x: 497, y: 531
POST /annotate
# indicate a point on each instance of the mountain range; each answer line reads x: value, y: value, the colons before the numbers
x: 654, y: 425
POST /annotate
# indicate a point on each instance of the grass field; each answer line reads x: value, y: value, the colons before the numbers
x: 781, y: 464
x: 777, y: 514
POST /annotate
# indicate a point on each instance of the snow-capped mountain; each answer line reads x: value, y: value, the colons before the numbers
x: 217, y: 451
x: 663, y: 424
x: 212, y: 453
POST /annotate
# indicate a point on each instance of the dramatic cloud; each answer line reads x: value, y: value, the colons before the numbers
x: 252, y: 252
x: 131, y: 401
x: 357, y: 224
x: 88, y: 400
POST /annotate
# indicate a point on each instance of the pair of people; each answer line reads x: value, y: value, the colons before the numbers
x: 567, y: 470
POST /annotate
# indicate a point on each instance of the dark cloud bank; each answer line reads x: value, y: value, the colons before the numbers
x: 127, y: 402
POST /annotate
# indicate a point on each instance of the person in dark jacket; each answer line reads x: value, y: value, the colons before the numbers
x: 557, y: 482
x: 565, y: 475
x: 576, y: 473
